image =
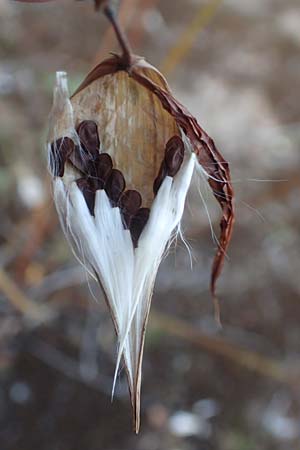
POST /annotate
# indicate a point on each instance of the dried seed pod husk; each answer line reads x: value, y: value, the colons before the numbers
x: 154, y: 144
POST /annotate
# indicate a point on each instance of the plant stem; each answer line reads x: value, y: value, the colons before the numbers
x: 122, y: 39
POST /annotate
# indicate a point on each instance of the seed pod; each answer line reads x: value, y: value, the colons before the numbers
x: 128, y: 130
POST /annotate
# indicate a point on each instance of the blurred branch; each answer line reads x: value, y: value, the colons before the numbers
x: 40, y: 224
x: 188, y: 37
x: 68, y: 366
x: 57, y: 281
x: 19, y: 300
x: 248, y: 359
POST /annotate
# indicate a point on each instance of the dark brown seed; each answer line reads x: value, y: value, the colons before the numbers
x: 88, y: 193
x: 104, y: 167
x: 88, y: 134
x: 115, y: 185
x: 174, y: 155
x: 138, y: 223
x: 130, y: 201
x: 85, y: 162
x: 60, y: 152
x: 163, y: 172
x: 81, y: 160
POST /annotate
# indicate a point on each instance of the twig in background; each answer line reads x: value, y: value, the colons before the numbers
x: 187, y: 39
x: 245, y: 358
x: 59, y: 361
x: 40, y: 224
x: 31, y: 310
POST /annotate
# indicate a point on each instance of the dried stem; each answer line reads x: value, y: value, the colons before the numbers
x: 122, y: 39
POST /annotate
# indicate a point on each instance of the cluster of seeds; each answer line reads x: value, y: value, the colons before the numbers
x: 98, y: 173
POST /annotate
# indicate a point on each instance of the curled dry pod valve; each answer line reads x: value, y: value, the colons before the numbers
x: 122, y: 152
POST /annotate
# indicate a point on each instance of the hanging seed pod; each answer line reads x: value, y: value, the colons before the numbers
x: 120, y: 184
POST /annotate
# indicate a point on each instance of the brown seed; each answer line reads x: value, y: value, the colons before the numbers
x: 85, y: 162
x: 86, y: 156
x: 174, y: 155
x: 115, y: 185
x: 88, y: 193
x: 163, y: 172
x: 60, y: 152
x: 88, y: 134
x: 104, y: 167
x: 138, y: 223
x: 130, y: 201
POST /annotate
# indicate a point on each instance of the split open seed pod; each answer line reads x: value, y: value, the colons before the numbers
x: 122, y: 152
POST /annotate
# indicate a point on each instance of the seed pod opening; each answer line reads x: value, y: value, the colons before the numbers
x: 120, y: 184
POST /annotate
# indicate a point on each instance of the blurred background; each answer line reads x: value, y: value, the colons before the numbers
x: 236, y: 65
